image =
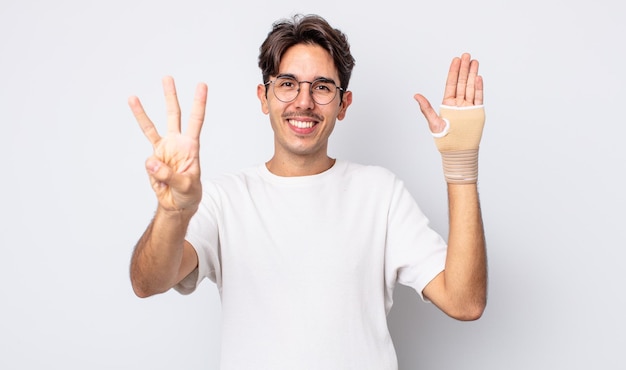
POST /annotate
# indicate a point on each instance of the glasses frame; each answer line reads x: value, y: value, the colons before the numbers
x: 338, y: 88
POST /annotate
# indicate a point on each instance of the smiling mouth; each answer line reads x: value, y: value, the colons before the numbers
x: 301, y: 124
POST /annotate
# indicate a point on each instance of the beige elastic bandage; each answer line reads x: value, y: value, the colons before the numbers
x: 459, y: 141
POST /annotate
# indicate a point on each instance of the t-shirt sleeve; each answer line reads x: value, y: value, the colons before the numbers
x: 203, y: 235
x: 415, y: 253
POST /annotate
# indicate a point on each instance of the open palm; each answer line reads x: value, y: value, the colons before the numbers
x: 464, y: 88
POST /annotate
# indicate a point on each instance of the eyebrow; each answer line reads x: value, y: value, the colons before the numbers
x: 319, y: 78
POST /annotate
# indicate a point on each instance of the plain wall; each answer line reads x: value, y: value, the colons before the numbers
x: 75, y: 196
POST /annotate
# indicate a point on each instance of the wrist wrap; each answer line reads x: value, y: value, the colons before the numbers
x: 459, y: 141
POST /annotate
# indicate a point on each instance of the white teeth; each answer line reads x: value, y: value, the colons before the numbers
x: 301, y: 124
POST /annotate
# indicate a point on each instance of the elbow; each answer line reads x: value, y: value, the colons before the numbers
x: 470, y: 314
x: 142, y: 288
x: 469, y: 311
x: 143, y: 292
x: 140, y: 292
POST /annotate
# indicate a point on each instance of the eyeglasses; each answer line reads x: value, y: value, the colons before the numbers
x: 322, y: 90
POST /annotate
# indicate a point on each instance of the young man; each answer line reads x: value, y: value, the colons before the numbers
x: 306, y: 249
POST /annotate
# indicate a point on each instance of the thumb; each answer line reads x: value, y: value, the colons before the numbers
x: 159, y: 171
x: 435, y: 123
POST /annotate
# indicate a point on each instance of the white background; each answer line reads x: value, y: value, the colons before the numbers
x: 75, y: 196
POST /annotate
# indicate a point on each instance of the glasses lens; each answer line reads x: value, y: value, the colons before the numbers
x: 323, y: 91
x: 285, y: 89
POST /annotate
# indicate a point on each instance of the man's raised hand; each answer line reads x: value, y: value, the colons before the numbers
x: 174, y: 167
x: 464, y: 88
x: 458, y: 127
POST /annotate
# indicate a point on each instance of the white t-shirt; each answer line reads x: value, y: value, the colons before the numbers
x: 306, y: 266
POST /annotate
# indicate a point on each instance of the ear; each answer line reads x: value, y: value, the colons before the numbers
x: 345, y: 103
x: 262, y: 95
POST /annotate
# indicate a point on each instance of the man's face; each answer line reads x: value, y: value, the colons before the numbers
x: 302, y: 127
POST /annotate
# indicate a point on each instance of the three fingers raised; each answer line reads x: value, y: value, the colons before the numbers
x: 173, y: 112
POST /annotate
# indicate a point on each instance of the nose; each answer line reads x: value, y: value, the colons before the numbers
x: 304, y: 99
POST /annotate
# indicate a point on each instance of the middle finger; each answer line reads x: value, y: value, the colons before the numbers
x: 463, y: 75
x: 171, y: 105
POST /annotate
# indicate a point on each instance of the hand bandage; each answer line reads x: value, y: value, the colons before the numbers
x: 459, y: 141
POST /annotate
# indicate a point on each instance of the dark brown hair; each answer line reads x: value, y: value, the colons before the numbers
x: 305, y: 29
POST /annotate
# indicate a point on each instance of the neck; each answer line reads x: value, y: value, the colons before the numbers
x: 299, y: 166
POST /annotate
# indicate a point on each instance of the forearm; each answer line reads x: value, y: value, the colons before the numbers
x: 466, y: 262
x: 158, y: 255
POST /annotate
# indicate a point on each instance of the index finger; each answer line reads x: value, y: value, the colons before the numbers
x: 146, y: 125
x: 196, y: 118
x: 452, y: 80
